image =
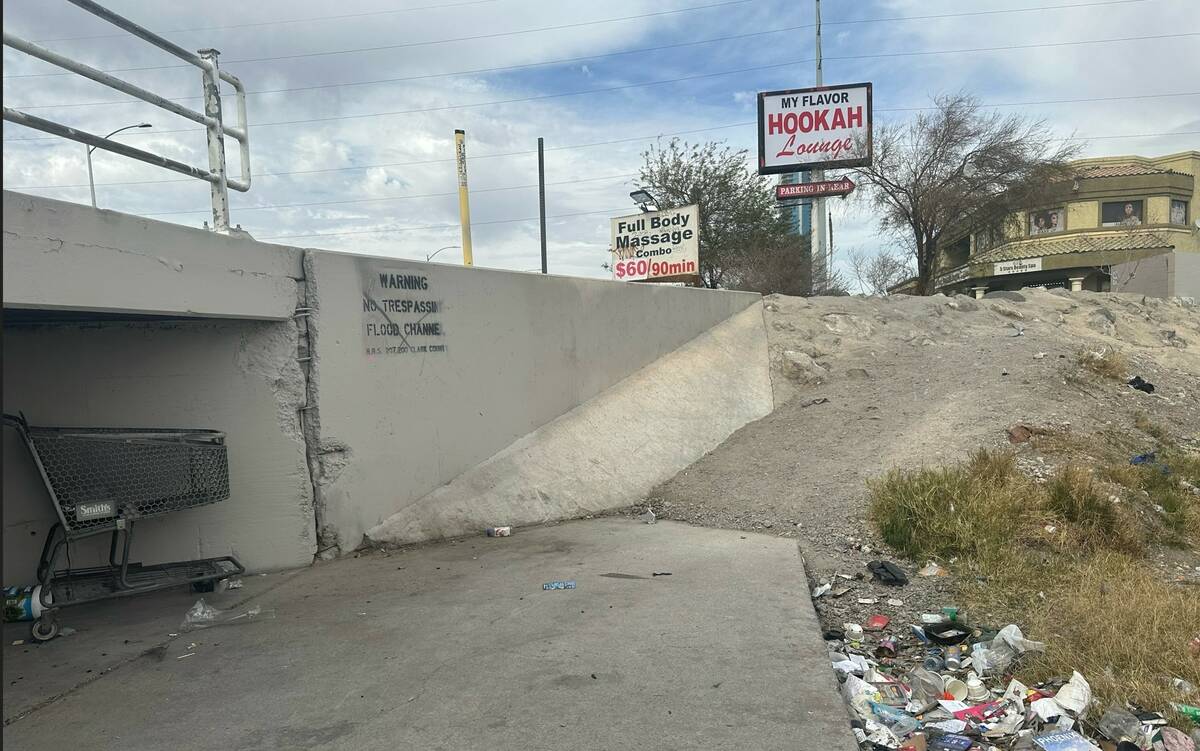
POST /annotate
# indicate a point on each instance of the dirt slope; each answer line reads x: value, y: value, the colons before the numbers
x: 865, y: 384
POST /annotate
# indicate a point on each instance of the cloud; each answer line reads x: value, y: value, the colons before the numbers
x: 416, y: 188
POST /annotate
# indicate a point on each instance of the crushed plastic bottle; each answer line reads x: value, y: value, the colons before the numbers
x: 202, y: 615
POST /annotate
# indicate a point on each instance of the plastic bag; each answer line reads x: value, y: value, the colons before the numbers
x: 999, y: 653
x: 1119, y: 725
x: 203, y: 615
x: 1075, y: 695
x: 926, y: 685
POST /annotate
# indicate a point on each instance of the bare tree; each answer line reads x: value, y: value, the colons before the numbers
x: 878, y: 272
x: 955, y: 166
x: 739, y: 218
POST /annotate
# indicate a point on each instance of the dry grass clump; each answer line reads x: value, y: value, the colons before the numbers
x: 1105, y: 362
x: 1063, y: 559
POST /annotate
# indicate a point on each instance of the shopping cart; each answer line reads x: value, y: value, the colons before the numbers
x: 102, y: 481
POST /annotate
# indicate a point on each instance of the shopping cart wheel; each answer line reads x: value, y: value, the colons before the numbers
x: 44, y: 628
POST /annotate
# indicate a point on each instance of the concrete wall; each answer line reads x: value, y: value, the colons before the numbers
x: 614, y: 448
x: 63, y: 256
x: 1174, y: 274
x: 521, y: 349
x: 512, y: 353
x: 237, y: 376
x: 1187, y: 275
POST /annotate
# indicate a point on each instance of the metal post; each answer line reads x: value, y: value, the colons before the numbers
x: 91, y: 179
x: 464, y: 204
x: 542, y: 201
x: 216, y: 140
x: 829, y: 260
x: 819, y: 176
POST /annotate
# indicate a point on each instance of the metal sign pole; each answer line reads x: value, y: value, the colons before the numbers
x: 819, y: 176
x: 542, y: 201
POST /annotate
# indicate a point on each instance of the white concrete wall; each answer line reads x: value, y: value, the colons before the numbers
x: 522, y: 349
x: 381, y: 431
x: 240, y: 377
x: 614, y: 448
x: 1187, y: 275
x: 63, y: 256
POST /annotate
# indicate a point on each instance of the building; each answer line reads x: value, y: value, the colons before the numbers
x: 799, y: 217
x: 1123, y: 224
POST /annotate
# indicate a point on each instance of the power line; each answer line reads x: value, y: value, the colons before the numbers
x: 278, y: 22
x: 661, y: 82
x: 392, y: 198
x: 474, y: 157
x: 562, y: 61
x: 441, y: 226
x: 405, y: 45
x: 568, y: 148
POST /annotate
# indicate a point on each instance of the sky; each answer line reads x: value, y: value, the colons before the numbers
x: 352, y: 149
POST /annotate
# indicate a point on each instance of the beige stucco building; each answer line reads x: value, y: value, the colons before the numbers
x: 1124, y: 223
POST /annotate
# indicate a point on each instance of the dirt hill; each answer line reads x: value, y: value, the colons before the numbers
x: 867, y: 384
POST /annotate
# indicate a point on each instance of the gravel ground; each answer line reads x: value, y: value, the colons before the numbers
x: 866, y: 384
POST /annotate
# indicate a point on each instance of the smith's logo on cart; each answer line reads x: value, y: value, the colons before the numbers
x: 99, y: 510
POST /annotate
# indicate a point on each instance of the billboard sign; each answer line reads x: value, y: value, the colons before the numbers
x: 840, y: 187
x: 657, y: 245
x: 819, y: 128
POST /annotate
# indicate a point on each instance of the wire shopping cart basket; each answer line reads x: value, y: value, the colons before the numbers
x: 104, y: 480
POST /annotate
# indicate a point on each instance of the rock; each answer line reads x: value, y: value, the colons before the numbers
x: 963, y: 303
x: 1007, y: 311
x: 1002, y: 294
x: 800, y: 367
x: 1019, y: 433
x: 1103, y: 321
x: 857, y: 374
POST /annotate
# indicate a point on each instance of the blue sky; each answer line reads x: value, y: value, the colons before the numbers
x: 586, y: 183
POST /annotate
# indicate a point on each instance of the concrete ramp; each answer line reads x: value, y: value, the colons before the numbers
x: 612, y: 449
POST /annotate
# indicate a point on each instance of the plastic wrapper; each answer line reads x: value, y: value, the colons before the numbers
x: 202, y: 615
x: 1075, y: 695
x: 926, y: 686
x: 998, y: 654
x: 1119, y: 725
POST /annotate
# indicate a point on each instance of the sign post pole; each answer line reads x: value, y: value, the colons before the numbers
x: 818, y: 252
x: 464, y: 206
x: 542, y: 202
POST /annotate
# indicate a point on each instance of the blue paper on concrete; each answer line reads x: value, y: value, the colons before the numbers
x: 559, y: 585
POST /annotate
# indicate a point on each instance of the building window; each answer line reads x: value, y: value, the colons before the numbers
x: 1121, y: 214
x: 1047, y: 221
x: 1178, y: 212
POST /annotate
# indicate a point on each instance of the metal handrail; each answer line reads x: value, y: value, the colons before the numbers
x: 211, y: 118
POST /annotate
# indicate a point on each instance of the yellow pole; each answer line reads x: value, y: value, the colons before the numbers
x: 464, y: 206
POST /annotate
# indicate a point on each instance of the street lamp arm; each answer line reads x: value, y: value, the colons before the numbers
x: 118, y: 130
x: 430, y: 256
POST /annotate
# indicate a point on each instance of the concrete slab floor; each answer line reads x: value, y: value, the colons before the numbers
x: 455, y: 646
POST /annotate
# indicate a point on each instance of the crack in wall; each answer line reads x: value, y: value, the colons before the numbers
x: 327, y: 458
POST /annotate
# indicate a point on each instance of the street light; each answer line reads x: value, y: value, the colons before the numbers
x: 90, y: 149
x: 641, y: 198
x: 430, y: 256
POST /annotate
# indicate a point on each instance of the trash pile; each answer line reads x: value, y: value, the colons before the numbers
x: 945, y: 685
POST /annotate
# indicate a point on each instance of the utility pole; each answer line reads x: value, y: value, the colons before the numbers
x: 542, y: 201
x: 464, y: 204
x: 819, y: 176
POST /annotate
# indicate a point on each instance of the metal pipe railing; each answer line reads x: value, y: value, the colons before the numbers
x: 206, y: 60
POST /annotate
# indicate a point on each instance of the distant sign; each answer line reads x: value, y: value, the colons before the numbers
x: 819, y: 128
x: 401, y: 313
x: 657, y: 245
x: 840, y: 187
x: 1023, y: 266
